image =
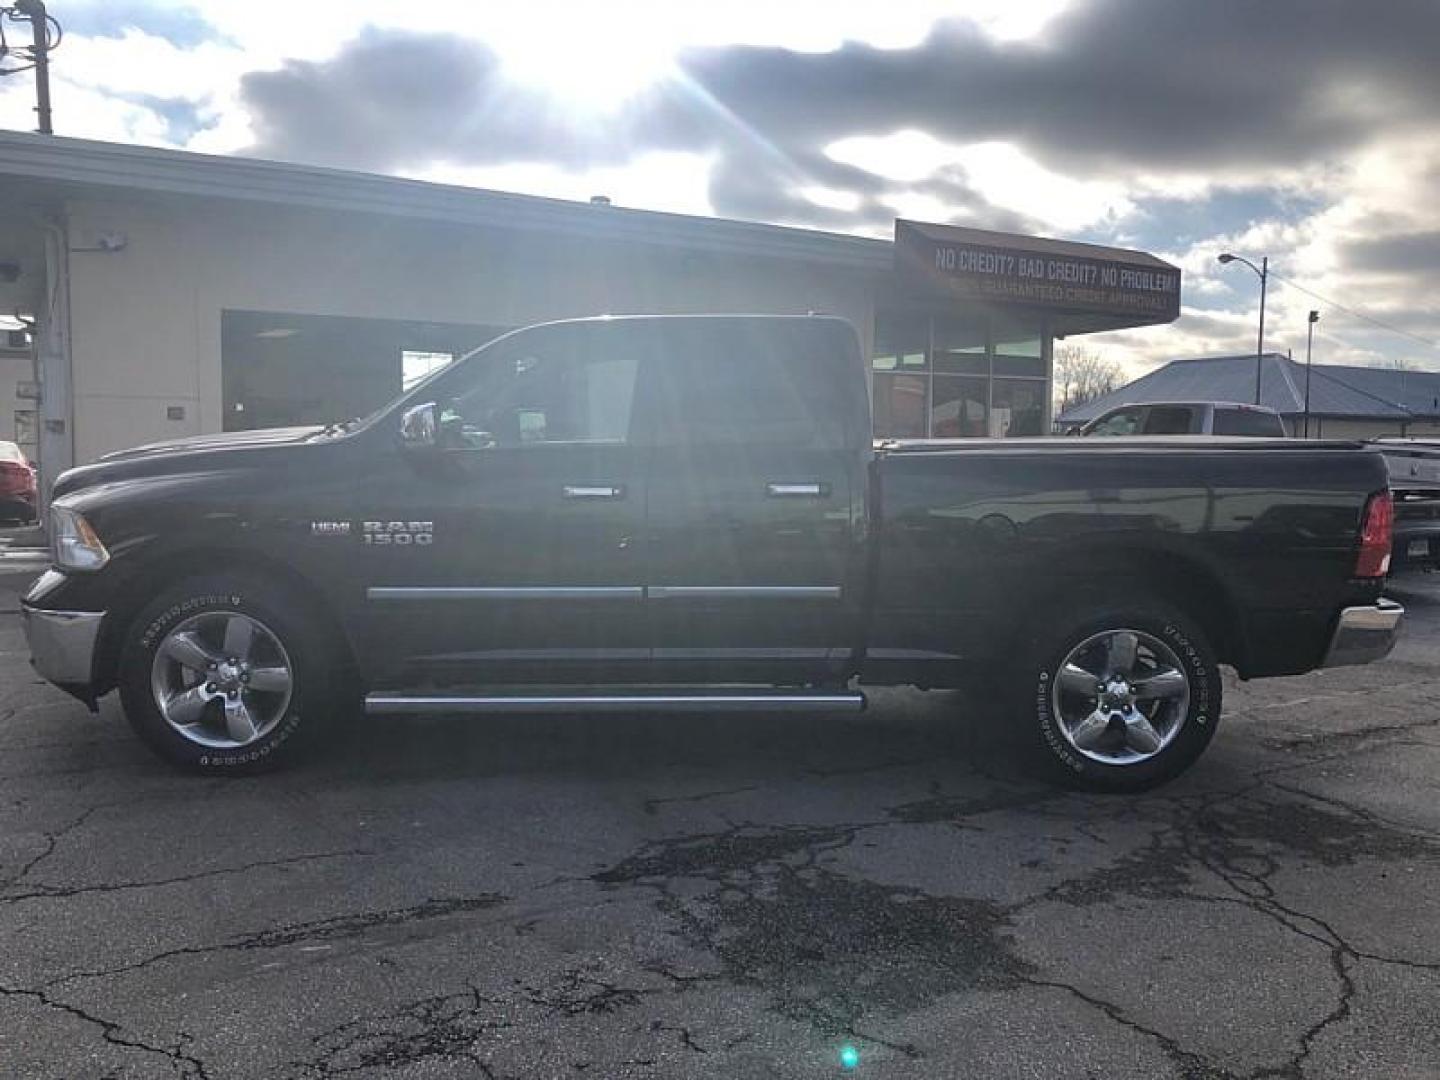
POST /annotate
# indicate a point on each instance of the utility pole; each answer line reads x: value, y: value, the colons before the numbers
x: 1309, y: 345
x: 41, y: 46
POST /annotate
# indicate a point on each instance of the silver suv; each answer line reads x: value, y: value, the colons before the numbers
x: 1188, y: 418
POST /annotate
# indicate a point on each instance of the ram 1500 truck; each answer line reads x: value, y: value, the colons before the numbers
x: 689, y: 514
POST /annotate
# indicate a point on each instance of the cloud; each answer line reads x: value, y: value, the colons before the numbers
x: 1093, y: 95
x: 387, y: 99
x: 1111, y: 83
x: 180, y: 24
x: 1398, y: 253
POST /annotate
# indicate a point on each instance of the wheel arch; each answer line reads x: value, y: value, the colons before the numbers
x: 163, y: 571
x: 1178, y: 578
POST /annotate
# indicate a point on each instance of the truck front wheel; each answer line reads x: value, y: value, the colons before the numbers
x: 1120, y: 696
x: 221, y: 674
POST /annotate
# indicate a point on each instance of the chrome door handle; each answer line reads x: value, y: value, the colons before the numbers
x: 594, y: 491
x: 805, y: 491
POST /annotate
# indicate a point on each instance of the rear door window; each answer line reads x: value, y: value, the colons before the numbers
x: 750, y: 383
x: 1170, y: 420
x: 1248, y: 422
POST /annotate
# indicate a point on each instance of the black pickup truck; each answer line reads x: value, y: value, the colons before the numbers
x: 689, y: 514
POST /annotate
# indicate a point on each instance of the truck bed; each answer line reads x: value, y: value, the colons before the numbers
x: 975, y: 534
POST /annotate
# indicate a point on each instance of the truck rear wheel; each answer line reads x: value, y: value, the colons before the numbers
x: 224, y: 674
x: 1121, y: 696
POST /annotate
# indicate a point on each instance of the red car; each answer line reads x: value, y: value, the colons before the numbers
x: 17, y: 485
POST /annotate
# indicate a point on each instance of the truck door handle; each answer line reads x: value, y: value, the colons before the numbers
x: 809, y: 490
x: 594, y: 491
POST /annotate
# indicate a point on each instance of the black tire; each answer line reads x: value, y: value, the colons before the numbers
x: 300, y: 714
x: 1043, y: 653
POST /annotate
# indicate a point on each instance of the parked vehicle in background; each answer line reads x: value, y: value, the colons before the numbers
x: 1414, y: 468
x: 689, y: 514
x: 17, y: 485
x: 1188, y: 418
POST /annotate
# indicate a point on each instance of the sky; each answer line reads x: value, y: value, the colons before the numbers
x: 1307, y: 131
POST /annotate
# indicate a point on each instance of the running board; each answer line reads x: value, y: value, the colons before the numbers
x: 671, y: 701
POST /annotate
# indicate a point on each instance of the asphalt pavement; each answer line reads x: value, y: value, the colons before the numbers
x: 681, y: 896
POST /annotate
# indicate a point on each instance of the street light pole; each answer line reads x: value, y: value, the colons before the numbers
x: 1263, y: 273
x: 1309, y: 344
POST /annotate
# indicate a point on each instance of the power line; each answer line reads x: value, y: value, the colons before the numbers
x: 1358, y: 314
x: 1380, y: 364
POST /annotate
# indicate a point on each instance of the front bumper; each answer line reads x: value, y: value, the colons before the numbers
x: 1365, y: 634
x: 18, y: 505
x: 62, y: 644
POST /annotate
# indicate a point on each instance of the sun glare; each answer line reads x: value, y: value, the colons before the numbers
x: 596, y: 64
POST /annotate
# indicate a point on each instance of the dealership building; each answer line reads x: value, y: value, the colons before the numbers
x: 167, y: 294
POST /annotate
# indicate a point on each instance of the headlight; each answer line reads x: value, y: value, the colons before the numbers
x: 73, y: 543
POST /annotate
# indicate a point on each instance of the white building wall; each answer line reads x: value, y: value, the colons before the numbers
x: 146, y: 318
x: 1368, y: 429
x: 15, y: 367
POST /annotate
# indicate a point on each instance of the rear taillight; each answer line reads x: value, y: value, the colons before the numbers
x: 1376, y: 535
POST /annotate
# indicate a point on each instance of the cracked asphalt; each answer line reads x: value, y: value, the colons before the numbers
x: 738, y: 897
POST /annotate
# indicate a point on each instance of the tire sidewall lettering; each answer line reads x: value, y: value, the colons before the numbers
x: 177, y: 611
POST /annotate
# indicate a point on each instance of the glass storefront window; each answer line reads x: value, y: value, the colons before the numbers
x: 958, y: 409
x: 960, y: 375
x: 960, y: 346
x: 1019, y: 407
x: 899, y: 406
x: 1019, y: 350
x: 902, y: 343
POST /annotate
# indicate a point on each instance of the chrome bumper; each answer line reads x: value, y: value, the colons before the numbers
x: 62, y: 643
x: 1364, y: 634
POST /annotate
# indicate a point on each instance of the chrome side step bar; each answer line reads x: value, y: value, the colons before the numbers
x: 386, y: 704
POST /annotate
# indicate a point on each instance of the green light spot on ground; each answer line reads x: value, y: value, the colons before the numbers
x: 849, y: 1057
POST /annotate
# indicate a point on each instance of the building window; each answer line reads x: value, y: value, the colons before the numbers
x: 958, y: 376
x: 899, y: 406
x: 960, y: 346
x: 902, y: 343
x: 900, y: 361
x: 1019, y: 350
x: 959, y: 409
x: 415, y: 366
x: 1019, y: 407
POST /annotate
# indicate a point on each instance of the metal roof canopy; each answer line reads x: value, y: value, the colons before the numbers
x: 1336, y: 391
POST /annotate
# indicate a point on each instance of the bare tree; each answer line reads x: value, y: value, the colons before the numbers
x: 1081, y: 374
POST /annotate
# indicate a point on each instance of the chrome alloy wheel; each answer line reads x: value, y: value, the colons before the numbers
x: 222, y: 680
x: 1120, y: 697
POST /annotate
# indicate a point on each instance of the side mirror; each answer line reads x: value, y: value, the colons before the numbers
x: 420, y: 427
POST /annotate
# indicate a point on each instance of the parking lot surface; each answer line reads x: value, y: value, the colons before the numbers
x: 729, y: 897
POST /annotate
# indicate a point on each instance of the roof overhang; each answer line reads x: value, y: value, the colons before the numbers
x: 81, y: 166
